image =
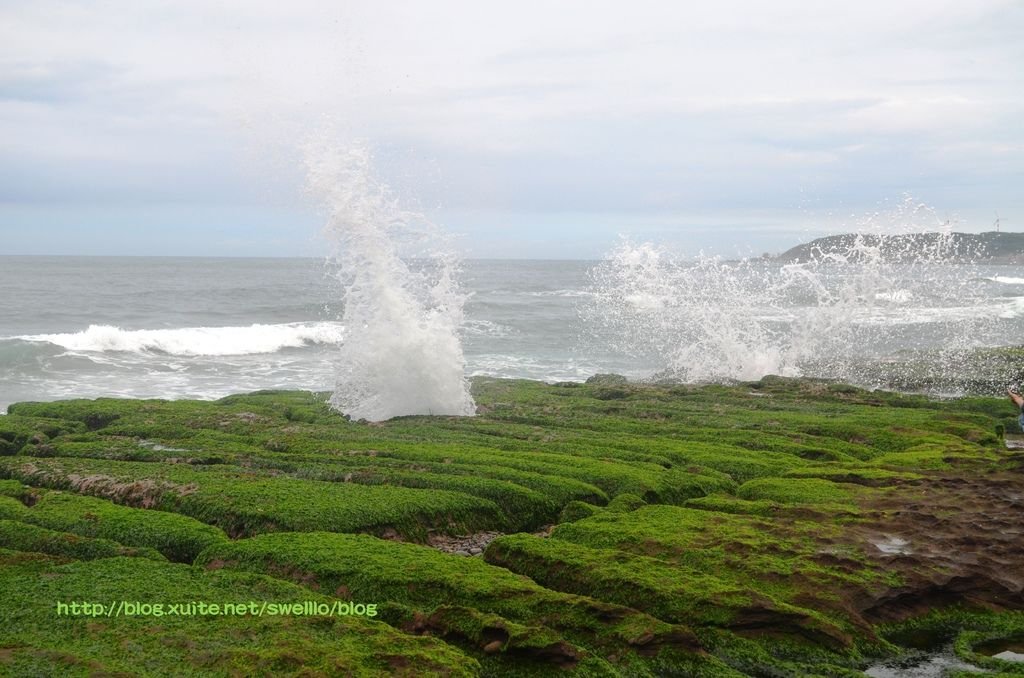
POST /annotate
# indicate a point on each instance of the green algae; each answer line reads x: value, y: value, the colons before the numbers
x: 854, y: 474
x: 702, y: 530
x: 577, y: 510
x: 796, y: 491
x: 424, y: 580
x: 792, y: 565
x: 242, y: 501
x: 39, y: 641
x: 729, y: 504
x: 177, y: 537
x: 19, y: 536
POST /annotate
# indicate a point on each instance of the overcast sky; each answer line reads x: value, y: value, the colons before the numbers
x: 531, y: 129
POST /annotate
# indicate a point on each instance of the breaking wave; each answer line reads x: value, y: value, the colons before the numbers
x: 195, y: 341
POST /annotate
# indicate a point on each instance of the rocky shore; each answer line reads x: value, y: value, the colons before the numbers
x: 772, y: 528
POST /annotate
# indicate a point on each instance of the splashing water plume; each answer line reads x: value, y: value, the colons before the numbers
x: 839, y: 311
x: 403, y: 310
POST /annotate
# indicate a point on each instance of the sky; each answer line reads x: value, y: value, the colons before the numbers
x: 527, y: 129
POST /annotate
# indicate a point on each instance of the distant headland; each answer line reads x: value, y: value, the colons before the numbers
x: 991, y: 248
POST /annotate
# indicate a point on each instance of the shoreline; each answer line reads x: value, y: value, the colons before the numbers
x: 985, y: 372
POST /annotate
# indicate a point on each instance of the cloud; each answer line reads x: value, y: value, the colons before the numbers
x: 519, y: 109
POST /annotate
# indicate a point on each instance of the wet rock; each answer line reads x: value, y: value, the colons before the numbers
x: 463, y: 545
x: 607, y: 380
x: 972, y: 552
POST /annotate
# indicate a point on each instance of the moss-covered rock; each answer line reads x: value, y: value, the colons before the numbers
x: 18, y: 536
x: 361, y: 567
x: 41, y: 638
x: 797, y: 491
x: 177, y: 537
x: 768, y: 528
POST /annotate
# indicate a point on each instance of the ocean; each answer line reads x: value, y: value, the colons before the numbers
x: 168, y: 327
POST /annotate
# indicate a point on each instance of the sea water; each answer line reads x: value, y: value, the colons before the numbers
x: 172, y: 327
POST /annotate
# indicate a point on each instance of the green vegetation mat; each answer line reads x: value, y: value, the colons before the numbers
x: 775, y: 528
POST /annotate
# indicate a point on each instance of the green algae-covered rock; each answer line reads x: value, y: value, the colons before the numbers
x: 42, y: 639
x: 177, y: 537
x: 424, y: 580
x: 781, y: 527
x: 24, y: 537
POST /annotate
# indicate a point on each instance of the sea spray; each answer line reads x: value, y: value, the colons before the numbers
x: 861, y: 309
x: 702, y: 320
x: 403, y: 309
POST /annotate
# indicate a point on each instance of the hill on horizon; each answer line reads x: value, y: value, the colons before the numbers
x: 990, y: 247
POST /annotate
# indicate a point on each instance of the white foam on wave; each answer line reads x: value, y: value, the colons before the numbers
x: 1014, y: 309
x: 507, y: 366
x: 946, y: 315
x: 1006, y: 280
x: 487, y: 328
x: 196, y: 341
x: 568, y: 293
x: 894, y: 296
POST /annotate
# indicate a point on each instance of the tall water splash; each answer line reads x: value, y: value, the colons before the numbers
x: 403, y: 309
x: 859, y: 309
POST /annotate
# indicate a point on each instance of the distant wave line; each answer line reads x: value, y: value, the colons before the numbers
x: 195, y: 341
